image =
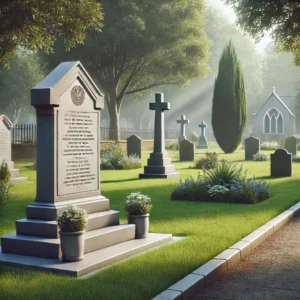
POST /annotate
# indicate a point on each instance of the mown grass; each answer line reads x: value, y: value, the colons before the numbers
x: 209, y: 227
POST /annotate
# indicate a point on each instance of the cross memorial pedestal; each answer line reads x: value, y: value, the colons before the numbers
x: 202, y: 138
x: 183, y: 121
x: 159, y: 163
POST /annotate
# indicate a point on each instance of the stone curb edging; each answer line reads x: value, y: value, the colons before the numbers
x: 193, y: 283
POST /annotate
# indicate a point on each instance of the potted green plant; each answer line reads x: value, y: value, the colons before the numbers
x: 72, y: 223
x: 138, y: 207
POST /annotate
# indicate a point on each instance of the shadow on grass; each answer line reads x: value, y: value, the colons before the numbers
x: 119, y: 180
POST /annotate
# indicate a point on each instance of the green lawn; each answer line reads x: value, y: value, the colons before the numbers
x: 209, y: 227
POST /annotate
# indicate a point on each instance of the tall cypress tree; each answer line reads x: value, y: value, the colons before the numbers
x: 229, y: 113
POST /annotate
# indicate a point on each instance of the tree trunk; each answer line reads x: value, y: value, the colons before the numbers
x: 114, y: 115
x: 16, y: 115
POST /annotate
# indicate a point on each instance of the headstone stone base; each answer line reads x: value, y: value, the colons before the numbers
x: 159, y: 166
x: 91, y: 262
x: 15, y: 174
x: 202, y: 143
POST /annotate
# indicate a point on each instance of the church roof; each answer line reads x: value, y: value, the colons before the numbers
x: 280, y: 100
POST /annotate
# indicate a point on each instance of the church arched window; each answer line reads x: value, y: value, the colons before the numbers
x: 273, y: 121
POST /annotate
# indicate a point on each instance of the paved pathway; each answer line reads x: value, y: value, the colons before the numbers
x: 270, y: 272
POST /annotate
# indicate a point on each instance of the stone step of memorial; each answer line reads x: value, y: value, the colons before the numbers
x: 49, y: 229
x: 18, y: 180
x: 159, y: 169
x: 50, y: 248
x: 45, y: 211
x: 92, y: 261
x: 159, y: 161
x: 14, y: 173
x: 149, y: 176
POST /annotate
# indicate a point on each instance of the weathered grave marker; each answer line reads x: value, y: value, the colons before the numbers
x: 134, y: 146
x: 183, y: 121
x: 202, y: 138
x: 281, y: 163
x: 186, y: 150
x: 291, y: 145
x: 159, y: 164
x: 252, y: 146
x: 5, y: 149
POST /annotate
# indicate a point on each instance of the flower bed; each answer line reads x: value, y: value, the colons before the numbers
x: 224, y: 183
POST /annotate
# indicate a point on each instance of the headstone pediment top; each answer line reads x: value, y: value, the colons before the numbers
x: 47, y: 92
x: 134, y: 137
x: 6, y: 121
x: 252, y: 138
x: 186, y: 142
x: 281, y: 151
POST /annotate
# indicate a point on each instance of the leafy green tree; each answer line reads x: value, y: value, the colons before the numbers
x: 279, y: 16
x: 36, y: 24
x: 144, y: 44
x: 229, y: 113
x: 23, y: 73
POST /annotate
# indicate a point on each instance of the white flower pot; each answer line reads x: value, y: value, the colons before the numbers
x: 141, y: 223
x: 72, y: 245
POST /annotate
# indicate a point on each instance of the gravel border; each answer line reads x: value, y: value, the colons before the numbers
x: 193, y: 283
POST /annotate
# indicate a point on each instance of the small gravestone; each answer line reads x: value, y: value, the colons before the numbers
x: 159, y: 164
x: 291, y: 145
x: 281, y: 163
x: 183, y: 121
x: 252, y: 146
x: 5, y: 149
x: 134, y: 146
x: 202, y: 138
x: 186, y: 150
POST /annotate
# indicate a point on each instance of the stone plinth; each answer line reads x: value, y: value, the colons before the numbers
x: 159, y: 163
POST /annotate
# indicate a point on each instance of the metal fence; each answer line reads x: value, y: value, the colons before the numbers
x: 26, y: 134
x: 23, y: 134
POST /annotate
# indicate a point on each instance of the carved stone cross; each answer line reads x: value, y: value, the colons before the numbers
x: 203, y: 125
x: 182, y: 122
x: 159, y: 124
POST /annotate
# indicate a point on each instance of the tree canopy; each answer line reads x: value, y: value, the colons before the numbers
x: 36, y: 24
x: 144, y: 44
x: 282, y: 17
x: 23, y: 73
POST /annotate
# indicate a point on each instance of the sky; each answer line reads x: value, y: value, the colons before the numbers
x: 260, y: 46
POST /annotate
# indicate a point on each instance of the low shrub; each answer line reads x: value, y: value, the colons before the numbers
x: 260, y: 157
x: 296, y: 158
x: 224, y: 183
x: 138, y: 204
x: 193, y: 137
x: 4, y: 187
x: 72, y: 219
x: 113, y: 158
x: 191, y: 189
x: 173, y: 146
x: 208, y: 162
x: 272, y: 145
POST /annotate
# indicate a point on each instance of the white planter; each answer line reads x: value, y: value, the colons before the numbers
x: 72, y: 245
x: 141, y: 223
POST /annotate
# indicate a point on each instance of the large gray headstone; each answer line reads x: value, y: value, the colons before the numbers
x: 183, y: 121
x: 252, y: 146
x: 202, y: 138
x: 186, y: 150
x: 159, y: 164
x: 5, y: 139
x: 281, y: 163
x: 134, y: 146
x: 291, y: 145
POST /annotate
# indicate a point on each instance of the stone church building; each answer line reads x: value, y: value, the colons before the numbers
x: 275, y: 119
